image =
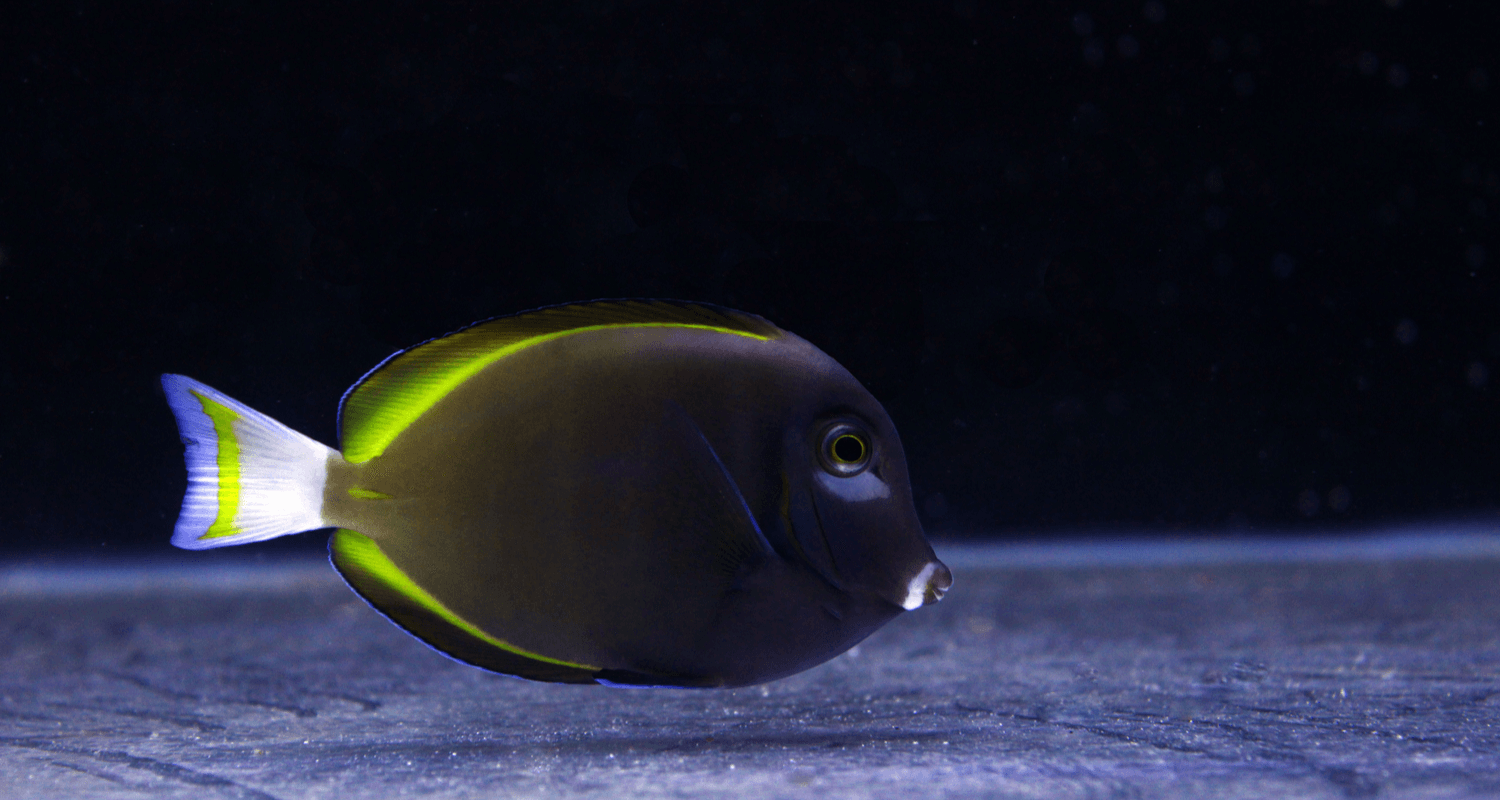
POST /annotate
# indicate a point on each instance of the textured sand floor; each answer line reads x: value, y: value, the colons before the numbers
x: 1325, y: 669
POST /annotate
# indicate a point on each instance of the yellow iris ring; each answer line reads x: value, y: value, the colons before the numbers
x: 362, y: 551
x: 229, y: 466
x: 833, y: 449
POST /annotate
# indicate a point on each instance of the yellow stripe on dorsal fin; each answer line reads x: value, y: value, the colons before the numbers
x: 392, y: 396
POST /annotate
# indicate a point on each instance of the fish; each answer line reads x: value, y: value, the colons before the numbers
x: 634, y: 493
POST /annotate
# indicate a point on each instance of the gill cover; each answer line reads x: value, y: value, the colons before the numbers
x: 853, y: 517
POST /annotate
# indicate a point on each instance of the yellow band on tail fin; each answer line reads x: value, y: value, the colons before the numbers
x: 228, y: 459
x: 250, y: 478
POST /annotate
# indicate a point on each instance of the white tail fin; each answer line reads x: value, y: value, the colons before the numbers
x: 250, y: 478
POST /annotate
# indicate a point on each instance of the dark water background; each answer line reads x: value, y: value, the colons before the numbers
x: 1160, y: 266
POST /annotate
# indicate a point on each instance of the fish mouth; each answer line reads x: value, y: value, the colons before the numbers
x: 928, y: 586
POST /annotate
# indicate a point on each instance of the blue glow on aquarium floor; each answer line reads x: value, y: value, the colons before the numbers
x: 1329, y: 667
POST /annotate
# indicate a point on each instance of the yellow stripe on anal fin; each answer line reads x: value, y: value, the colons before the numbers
x: 362, y: 552
x: 367, y: 494
x: 229, y: 466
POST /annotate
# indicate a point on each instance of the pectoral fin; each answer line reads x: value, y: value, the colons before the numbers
x: 708, y: 496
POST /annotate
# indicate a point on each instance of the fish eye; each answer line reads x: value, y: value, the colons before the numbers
x: 845, y: 450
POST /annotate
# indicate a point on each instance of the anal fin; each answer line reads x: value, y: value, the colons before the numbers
x: 382, y: 584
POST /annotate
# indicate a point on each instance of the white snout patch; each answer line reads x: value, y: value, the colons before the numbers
x: 864, y: 486
x: 916, y: 591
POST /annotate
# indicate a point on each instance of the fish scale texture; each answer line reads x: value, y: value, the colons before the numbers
x: 1328, y: 679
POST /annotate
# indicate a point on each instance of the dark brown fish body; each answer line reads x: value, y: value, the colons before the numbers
x: 636, y: 504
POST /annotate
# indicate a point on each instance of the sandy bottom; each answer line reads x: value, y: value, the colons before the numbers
x: 1192, y: 669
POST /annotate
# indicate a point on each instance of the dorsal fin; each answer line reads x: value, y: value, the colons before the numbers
x: 394, y: 394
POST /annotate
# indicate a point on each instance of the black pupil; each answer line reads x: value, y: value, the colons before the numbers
x: 848, y: 449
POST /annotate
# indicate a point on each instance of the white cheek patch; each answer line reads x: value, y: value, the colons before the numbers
x: 864, y: 486
x: 916, y: 591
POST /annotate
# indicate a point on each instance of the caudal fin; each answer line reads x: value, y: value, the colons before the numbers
x: 250, y: 478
